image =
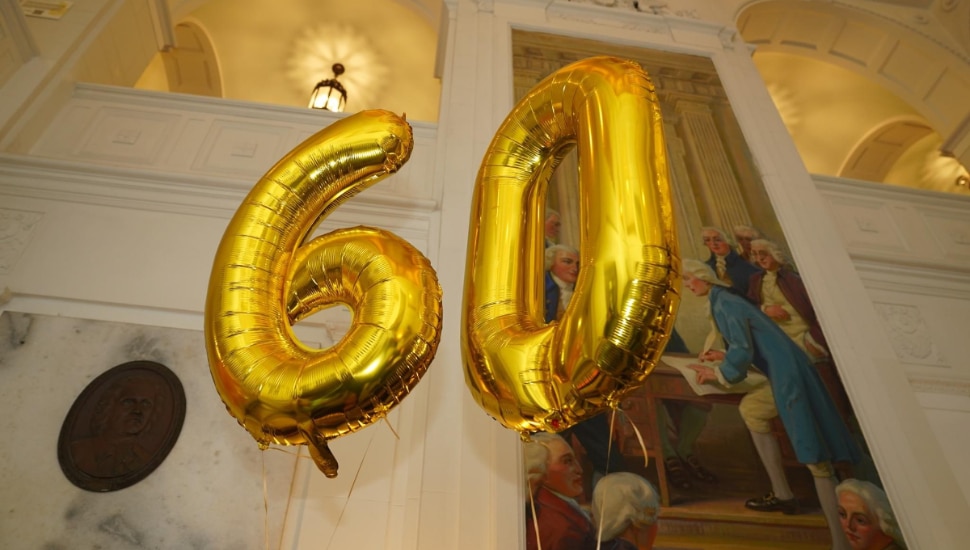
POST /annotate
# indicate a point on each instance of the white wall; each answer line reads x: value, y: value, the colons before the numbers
x: 115, y: 215
x: 912, y: 251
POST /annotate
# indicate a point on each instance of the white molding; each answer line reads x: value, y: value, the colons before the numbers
x: 201, y: 137
x: 13, y: 16
x: 309, y: 330
x: 940, y: 385
x: 919, y: 280
x: 162, y: 24
x: 117, y: 95
x: 950, y: 46
x: 957, y: 144
x: 902, y: 232
x: 105, y: 311
x: 141, y: 189
x: 890, y: 192
x: 682, y: 29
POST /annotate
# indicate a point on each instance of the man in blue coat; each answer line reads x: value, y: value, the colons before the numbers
x: 729, y: 267
x: 562, y: 270
x: 795, y: 393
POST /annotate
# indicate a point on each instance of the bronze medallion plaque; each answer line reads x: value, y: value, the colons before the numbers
x: 122, y: 426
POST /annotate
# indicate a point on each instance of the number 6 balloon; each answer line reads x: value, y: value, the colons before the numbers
x: 265, y: 278
x: 531, y: 376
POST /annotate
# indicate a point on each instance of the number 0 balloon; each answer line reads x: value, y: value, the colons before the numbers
x: 531, y: 376
x: 266, y: 278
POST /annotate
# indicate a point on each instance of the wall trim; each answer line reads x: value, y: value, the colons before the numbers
x: 132, y: 188
x: 940, y: 385
x: 885, y: 191
x: 117, y: 95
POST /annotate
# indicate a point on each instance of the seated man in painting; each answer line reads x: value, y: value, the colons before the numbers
x: 795, y: 394
x: 559, y: 520
x: 562, y: 270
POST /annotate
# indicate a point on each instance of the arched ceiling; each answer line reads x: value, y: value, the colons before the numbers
x: 863, y: 97
x: 277, y: 55
x: 828, y: 110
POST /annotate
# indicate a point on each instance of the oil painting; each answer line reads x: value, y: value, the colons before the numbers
x: 743, y: 436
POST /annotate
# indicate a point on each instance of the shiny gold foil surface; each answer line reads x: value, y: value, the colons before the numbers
x: 529, y: 375
x: 266, y: 276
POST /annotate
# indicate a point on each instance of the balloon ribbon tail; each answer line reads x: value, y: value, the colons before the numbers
x: 321, y: 455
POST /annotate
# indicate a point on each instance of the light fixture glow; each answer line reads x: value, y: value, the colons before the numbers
x: 330, y: 94
x: 317, y: 48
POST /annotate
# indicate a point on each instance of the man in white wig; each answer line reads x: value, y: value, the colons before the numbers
x: 559, y: 523
x: 867, y: 517
x: 625, y: 508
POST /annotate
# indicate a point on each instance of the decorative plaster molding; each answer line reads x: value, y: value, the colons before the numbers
x: 162, y: 24
x: 920, y: 280
x: 650, y: 7
x: 150, y: 190
x: 916, y: 24
x: 16, y: 227
x: 681, y: 25
x: 598, y: 15
x: 950, y: 230
x: 901, y: 227
x: 948, y: 386
x: 216, y: 106
x: 957, y: 144
x: 904, y: 58
x: 949, y: 5
x: 16, y: 25
x: 909, y: 334
x: 191, y: 140
x: 831, y: 185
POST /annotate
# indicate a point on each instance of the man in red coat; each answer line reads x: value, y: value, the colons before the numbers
x: 562, y: 523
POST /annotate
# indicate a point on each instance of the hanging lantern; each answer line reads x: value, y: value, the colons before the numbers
x: 330, y: 94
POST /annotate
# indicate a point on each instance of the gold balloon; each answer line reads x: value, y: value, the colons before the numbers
x: 266, y: 277
x: 531, y: 376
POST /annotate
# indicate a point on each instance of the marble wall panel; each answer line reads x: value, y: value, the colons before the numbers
x: 209, y: 491
x: 16, y: 228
